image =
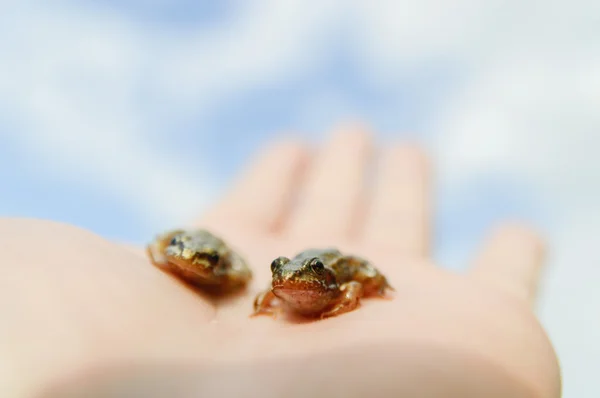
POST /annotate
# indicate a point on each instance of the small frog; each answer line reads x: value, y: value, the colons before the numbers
x: 320, y: 282
x: 201, y: 259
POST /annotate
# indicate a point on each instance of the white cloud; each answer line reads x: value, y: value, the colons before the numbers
x: 529, y: 117
x: 266, y: 42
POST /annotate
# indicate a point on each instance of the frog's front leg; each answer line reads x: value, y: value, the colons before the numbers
x: 263, y: 304
x: 371, y: 279
x: 351, y: 292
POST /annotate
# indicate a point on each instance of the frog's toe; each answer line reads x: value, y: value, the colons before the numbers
x: 273, y: 313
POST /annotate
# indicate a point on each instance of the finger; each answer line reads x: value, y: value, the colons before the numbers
x: 327, y: 206
x: 511, y: 259
x: 262, y: 197
x: 399, y: 214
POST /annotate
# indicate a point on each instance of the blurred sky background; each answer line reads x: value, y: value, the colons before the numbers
x: 128, y: 117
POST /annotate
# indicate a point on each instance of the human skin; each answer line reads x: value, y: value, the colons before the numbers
x: 83, y: 316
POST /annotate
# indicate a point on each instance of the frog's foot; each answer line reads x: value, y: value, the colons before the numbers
x: 387, y: 286
x: 349, y: 300
x: 382, y: 292
x: 155, y: 258
x: 263, y: 304
x: 272, y: 312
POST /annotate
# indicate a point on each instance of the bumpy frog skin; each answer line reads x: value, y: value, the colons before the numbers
x: 201, y: 259
x: 320, y: 282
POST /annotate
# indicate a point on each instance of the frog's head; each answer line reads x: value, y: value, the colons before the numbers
x: 193, y: 254
x: 305, y: 284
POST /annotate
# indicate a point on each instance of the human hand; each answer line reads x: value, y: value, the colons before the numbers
x: 79, y: 303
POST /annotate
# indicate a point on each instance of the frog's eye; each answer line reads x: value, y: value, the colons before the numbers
x: 173, y: 242
x: 278, y: 263
x: 213, y: 257
x: 317, y: 265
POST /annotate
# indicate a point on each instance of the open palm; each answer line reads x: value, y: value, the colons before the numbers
x: 91, y: 315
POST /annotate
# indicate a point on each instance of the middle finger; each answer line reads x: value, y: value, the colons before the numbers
x: 332, y: 195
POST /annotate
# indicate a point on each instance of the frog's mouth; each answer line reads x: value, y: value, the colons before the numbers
x: 289, y: 294
x: 202, y: 269
x: 299, y: 292
x: 296, y: 285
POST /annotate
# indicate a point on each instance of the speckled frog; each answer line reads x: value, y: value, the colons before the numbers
x: 320, y: 283
x: 201, y: 259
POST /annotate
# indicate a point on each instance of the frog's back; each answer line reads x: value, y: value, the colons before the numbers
x: 201, y: 239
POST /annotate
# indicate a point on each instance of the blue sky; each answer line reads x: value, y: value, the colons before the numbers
x: 130, y: 117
